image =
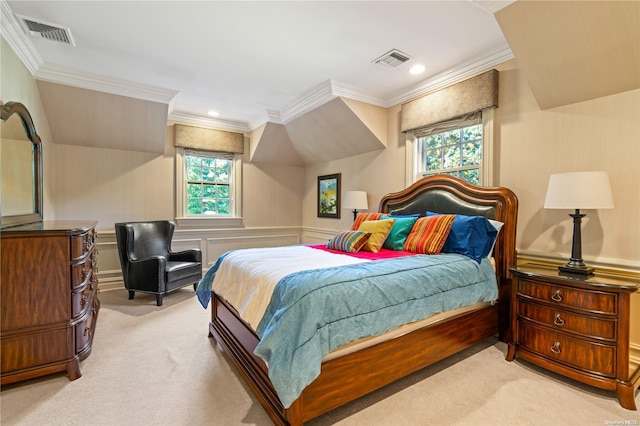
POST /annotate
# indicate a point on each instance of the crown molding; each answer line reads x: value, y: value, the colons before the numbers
x: 211, y: 123
x: 344, y: 90
x: 492, y: 6
x: 270, y: 116
x: 322, y: 94
x: 493, y: 57
x: 316, y: 97
x: 15, y: 36
x: 331, y: 89
x: 100, y: 83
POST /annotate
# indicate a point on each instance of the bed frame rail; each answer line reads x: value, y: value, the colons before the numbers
x: 337, y: 384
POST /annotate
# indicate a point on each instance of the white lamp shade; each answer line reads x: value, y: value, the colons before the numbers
x: 355, y: 200
x: 579, y: 190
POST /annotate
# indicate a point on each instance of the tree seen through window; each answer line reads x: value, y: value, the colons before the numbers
x: 208, y: 181
x: 456, y: 152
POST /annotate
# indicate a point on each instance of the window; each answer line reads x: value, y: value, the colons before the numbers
x: 460, y: 147
x: 208, y: 187
x: 456, y: 152
x: 208, y: 180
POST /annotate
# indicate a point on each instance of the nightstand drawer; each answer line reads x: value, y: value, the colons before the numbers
x: 588, y: 356
x: 586, y: 300
x: 567, y: 321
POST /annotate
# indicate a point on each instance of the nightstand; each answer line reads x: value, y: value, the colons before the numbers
x: 577, y: 326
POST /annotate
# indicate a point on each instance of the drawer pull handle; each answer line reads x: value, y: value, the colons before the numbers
x: 558, y: 320
x: 555, y: 348
x: 556, y: 296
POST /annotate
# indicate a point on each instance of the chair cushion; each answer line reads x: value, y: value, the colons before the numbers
x: 180, y: 270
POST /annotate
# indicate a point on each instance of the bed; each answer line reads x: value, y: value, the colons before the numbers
x: 363, y: 369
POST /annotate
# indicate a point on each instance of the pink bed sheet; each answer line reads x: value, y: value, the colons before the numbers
x: 382, y: 254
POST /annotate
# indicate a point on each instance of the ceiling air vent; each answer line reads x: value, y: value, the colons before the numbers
x: 392, y: 58
x: 40, y: 28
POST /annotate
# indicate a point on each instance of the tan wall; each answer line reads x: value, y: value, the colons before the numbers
x: 377, y: 173
x: 129, y: 185
x: 111, y: 185
x: 17, y: 85
x: 601, y: 134
x: 531, y: 144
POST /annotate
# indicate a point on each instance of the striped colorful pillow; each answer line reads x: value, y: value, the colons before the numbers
x: 361, y: 217
x: 349, y: 241
x: 429, y: 234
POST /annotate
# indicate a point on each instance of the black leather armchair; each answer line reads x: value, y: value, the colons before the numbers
x: 149, y: 265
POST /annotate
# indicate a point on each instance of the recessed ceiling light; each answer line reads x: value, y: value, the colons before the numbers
x: 417, y: 69
x: 213, y: 113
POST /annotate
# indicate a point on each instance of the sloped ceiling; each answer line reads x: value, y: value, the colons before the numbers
x: 573, y: 51
x: 330, y: 132
x: 340, y: 128
x: 271, y: 144
x: 86, y: 118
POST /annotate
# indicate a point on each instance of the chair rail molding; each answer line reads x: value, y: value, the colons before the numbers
x: 211, y: 242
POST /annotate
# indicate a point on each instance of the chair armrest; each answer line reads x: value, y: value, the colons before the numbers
x: 191, y: 255
x: 149, y: 272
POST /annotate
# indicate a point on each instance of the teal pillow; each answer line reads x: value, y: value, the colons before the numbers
x: 399, y: 232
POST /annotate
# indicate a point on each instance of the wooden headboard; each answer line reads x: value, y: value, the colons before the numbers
x: 451, y: 195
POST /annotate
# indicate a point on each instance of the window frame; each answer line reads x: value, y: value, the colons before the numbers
x: 234, y: 219
x: 486, y: 176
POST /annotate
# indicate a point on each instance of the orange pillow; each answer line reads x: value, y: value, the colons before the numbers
x: 429, y: 234
x: 361, y: 217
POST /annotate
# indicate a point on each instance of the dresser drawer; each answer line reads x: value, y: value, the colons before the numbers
x: 85, y: 328
x: 586, y: 300
x: 29, y: 350
x: 82, y: 244
x: 584, y: 325
x: 81, y: 299
x: 81, y: 273
x: 588, y: 356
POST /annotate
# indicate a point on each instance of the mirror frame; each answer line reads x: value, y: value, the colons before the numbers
x: 7, y: 110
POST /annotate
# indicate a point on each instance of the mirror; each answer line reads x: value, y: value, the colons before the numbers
x: 21, y: 166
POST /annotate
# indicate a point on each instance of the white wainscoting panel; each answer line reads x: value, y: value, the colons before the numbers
x: 212, y: 243
x: 317, y: 235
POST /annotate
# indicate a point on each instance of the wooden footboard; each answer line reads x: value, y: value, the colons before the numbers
x: 349, y: 377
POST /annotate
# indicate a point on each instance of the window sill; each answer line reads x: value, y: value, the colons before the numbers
x: 209, y: 222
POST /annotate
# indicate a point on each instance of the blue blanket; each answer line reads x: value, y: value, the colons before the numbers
x: 311, y: 313
x: 203, y: 290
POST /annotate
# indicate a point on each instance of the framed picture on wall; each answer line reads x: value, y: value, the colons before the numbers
x: 329, y: 196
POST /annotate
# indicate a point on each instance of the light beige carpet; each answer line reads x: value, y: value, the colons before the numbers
x: 156, y: 366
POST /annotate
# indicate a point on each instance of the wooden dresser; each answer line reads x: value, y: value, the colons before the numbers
x: 49, y: 298
x: 577, y: 326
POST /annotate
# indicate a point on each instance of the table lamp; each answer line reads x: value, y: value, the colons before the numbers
x: 356, y: 200
x: 578, y: 190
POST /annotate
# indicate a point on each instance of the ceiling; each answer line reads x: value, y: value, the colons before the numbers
x: 256, y: 62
